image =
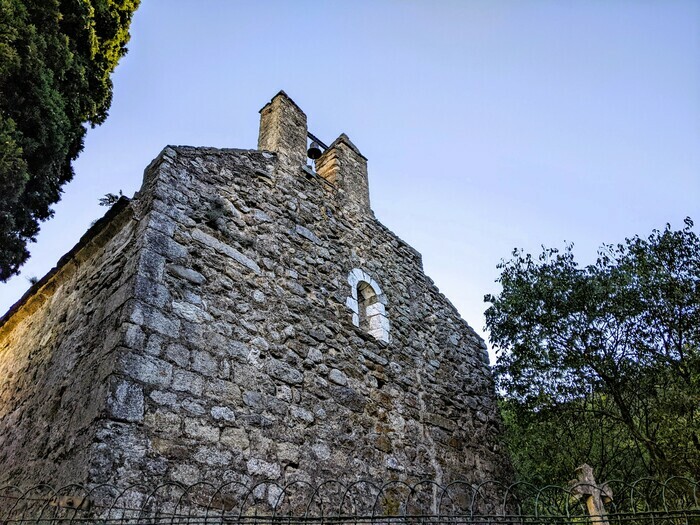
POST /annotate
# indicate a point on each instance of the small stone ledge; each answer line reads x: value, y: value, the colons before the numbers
x: 225, y: 249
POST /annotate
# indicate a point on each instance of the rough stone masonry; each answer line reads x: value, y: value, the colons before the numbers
x: 244, y: 318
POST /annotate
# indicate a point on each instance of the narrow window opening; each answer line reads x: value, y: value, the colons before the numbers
x: 366, y: 298
x: 367, y: 304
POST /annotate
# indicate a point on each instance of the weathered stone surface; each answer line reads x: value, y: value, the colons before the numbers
x: 147, y: 369
x: 306, y: 233
x: 225, y: 249
x: 302, y: 414
x: 284, y: 372
x: 201, y: 430
x: 154, y: 319
x: 235, y: 439
x: 178, y: 354
x: 185, y: 381
x: 206, y: 333
x: 262, y: 468
x: 204, y: 363
x: 187, y: 274
x: 321, y: 451
x: 223, y: 414
x: 190, y: 312
x: 213, y: 456
x: 57, y: 353
x: 126, y: 402
x: 185, y: 474
x: 337, y: 377
x: 164, y: 398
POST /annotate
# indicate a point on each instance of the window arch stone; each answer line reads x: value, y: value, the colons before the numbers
x: 368, y: 305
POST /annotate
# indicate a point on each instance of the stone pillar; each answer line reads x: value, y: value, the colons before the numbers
x: 283, y: 131
x: 594, y: 495
x: 343, y: 165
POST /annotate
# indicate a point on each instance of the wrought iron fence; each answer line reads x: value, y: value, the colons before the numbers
x: 645, y: 502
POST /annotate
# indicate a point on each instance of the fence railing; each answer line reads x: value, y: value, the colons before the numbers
x: 646, y: 501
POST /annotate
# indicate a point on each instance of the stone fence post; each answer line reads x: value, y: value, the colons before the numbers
x: 594, y: 496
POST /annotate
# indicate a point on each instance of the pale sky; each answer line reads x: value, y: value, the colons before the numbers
x: 487, y: 125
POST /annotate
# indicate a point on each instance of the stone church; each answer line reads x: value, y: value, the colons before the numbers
x: 244, y: 317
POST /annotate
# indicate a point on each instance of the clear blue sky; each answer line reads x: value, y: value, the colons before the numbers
x: 488, y: 125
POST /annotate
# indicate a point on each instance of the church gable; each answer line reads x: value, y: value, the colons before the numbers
x: 276, y: 330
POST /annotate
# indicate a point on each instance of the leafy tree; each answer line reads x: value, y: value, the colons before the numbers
x: 56, y: 58
x: 547, y: 444
x: 602, y: 363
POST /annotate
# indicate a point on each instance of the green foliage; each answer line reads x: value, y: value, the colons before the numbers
x: 601, y: 364
x: 56, y: 58
x: 110, y: 199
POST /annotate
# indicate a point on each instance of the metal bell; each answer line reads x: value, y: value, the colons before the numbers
x: 314, y: 151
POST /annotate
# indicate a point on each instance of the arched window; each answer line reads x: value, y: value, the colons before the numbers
x: 368, y: 305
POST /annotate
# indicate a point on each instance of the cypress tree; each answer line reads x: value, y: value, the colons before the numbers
x: 56, y: 58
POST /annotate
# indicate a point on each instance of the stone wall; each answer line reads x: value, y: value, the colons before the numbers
x: 252, y: 367
x: 56, y: 356
x: 234, y: 355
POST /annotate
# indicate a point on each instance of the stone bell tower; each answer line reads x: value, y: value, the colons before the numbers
x: 283, y: 130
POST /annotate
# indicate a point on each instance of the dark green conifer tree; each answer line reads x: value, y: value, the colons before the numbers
x: 56, y: 58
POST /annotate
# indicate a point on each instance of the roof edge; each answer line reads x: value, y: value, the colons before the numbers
x: 344, y: 139
x: 282, y: 94
x: 98, y: 227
